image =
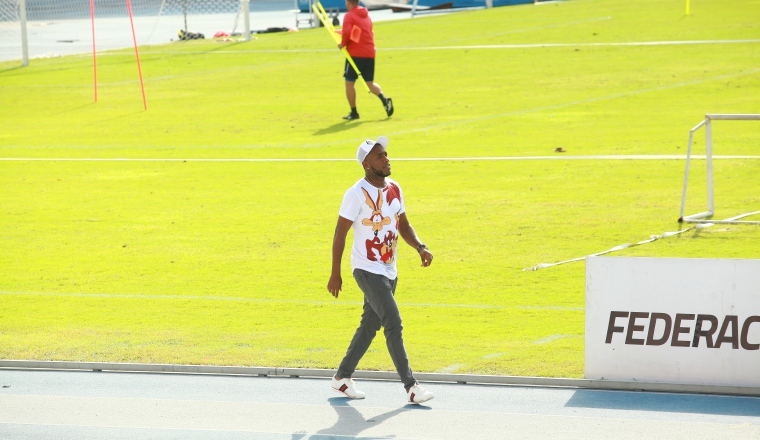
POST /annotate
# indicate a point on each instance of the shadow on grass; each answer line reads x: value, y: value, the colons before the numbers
x: 339, y: 127
x: 225, y: 46
x: 180, y: 53
x: 115, y: 118
x: 9, y: 69
x: 73, y: 109
x: 666, y: 402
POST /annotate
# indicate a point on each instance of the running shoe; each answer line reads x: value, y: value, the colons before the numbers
x: 417, y: 394
x: 347, y: 387
x: 388, y: 107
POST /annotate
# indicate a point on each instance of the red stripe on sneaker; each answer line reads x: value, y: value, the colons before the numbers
x: 343, y: 388
x: 411, y: 399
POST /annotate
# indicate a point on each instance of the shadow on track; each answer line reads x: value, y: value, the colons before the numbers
x: 666, y: 402
x: 351, y: 422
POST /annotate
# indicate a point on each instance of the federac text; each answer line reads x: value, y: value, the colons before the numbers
x: 683, y: 329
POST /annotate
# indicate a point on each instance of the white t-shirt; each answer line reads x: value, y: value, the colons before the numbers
x: 375, y: 213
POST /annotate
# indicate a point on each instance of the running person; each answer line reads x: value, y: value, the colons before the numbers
x: 374, y: 207
x: 359, y: 40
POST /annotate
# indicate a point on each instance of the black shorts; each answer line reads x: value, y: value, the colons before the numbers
x: 366, y: 67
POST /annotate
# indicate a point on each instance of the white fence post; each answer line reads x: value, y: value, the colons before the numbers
x: 24, y: 42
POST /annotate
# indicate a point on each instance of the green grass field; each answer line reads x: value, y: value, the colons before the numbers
x: 226, y: 263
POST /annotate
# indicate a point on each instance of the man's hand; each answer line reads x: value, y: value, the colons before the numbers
x: 426, y: 257
x: 335, y: 284
x: 340, y: 46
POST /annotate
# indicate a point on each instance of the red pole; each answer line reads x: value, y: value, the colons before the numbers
x: 137, y: 54
x: 94, y: 58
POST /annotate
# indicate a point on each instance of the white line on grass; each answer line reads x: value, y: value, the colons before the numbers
x: 454, y: 159
x: 286, y: 301
x: 451, y: 368
x: 551, y: 45
x: 536, y: 28
x: 468, y: 47
x: 551, y: 338
x: 493, y: 355
x: 478, y: 46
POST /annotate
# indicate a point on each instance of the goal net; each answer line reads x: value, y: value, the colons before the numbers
x: 59, y: 27
x: 706, y: 216
x: 10, y: 31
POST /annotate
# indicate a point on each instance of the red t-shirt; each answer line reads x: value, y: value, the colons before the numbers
x: 357, y: 33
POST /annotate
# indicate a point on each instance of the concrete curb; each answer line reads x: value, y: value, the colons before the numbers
x: 383, y: 375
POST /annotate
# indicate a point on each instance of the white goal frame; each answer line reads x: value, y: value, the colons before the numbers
x: 21, y: 6
x: 701, y: 217
x: 24, y: 40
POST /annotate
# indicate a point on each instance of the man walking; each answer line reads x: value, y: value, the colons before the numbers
x: 359, y: 40
x: 374, y: 207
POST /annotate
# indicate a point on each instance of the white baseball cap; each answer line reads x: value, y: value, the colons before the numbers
x: 366, y: 146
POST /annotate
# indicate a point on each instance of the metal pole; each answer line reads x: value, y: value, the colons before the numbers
x: 688, y: 163
x: 94, y: 52
x: 247, y: 19
x: 184, y: 12
x: 686, y: 176
x: 708, y: 153
x: 24, y: 41
x: 489, y: 4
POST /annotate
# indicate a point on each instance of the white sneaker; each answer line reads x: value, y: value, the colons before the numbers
x: 417, y: 394
x: 347, y: 387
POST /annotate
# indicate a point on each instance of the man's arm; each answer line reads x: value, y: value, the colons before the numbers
x: 339, y: 244
x: 410, y: 237
x: 345, y: 32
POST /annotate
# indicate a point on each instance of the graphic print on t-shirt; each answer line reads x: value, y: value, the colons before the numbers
x: 382, y: 247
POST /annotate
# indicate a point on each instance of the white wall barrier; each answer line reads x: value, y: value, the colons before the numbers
x: 672, y: 320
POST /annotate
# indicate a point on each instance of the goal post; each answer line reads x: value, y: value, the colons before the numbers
x: 704, y: 217
x: 24, y: 40
x: 62, y: 27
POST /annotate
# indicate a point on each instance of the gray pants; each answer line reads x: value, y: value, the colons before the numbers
x: 380, y: 309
